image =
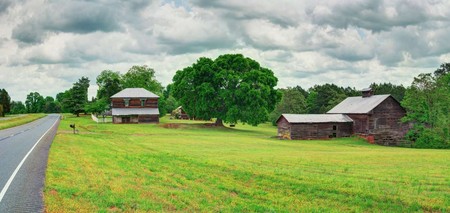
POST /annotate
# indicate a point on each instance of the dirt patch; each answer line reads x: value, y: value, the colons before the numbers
x: 171, y: 126
x: 53, y: 192
x: 186, y: 126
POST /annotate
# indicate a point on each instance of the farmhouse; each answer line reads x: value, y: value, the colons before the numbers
x: 376, y: 115
x: 372, y: 116
x: 135, y: 105
x: 314, y: 126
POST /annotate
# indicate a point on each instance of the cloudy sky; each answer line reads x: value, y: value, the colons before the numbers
x: 46, y: 45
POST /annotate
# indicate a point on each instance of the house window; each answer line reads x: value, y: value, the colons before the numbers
x: 143, y: 102
x: 127, y: 102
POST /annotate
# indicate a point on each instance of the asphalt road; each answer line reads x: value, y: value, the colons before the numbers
x: 23, y: 161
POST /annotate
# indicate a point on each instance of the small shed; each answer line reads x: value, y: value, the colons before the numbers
x: 314, y: 126
x: 179, y: 113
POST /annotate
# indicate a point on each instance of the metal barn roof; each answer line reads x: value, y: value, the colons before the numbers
x: 317, y: 118
x: 135, y: 111
x: 134, y: 93
x: 358, y: 105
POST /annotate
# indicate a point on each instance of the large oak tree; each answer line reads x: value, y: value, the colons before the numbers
x: 230, y: 88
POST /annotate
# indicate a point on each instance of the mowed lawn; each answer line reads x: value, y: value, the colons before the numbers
x: 17, y: 120
x: 193, y: 167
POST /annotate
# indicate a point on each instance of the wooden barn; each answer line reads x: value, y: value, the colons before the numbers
x: 377, y: 115
x: 135, y: 105
x: 314, y: 126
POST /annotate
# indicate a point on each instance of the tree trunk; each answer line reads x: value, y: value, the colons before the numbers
x: 219, y: 122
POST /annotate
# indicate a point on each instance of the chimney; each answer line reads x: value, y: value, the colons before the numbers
x: 367, y: 92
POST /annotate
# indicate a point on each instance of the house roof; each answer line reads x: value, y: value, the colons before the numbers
x: 134, y: 93
x: 316, y: 118
x: 135, y: 111
x: 358, y: 105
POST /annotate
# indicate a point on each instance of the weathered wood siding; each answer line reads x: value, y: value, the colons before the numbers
x: 320, y: 130
x: 384, y: 122
x: 284, y: 128
x: 287, y: 130
x: 134, y: 103
x: 148, y: 119
x: 126, y: 119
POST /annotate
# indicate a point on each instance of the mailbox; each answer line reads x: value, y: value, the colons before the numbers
x: 73, y: 127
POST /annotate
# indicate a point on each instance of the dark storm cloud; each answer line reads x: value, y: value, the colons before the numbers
x: 4, y: 5
x: 69, y: 17
x: 241, y: 10
x: 373, y: 15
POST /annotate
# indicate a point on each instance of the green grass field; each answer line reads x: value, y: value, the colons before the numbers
x: 193, y: 167
x: 16, y: 120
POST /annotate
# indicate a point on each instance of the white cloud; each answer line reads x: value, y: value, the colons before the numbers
x: 47, y: 46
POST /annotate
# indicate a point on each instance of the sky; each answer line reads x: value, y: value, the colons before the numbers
x: 47, y: 45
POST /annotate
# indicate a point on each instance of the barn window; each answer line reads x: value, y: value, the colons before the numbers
x: 334, y: 134
x: 127, y: 102
x: 334, y: 127
x: 143, y: 102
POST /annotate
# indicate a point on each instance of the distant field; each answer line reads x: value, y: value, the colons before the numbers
x: 193, y: 167
x: 17, y: 120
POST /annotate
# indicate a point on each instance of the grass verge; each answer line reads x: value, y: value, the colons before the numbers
x: 189, y: 166
x: 19, y: 120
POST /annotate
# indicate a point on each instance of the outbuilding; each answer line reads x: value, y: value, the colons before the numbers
x: 135, y: 105
x: 378, y: 116
x: 314, y: 126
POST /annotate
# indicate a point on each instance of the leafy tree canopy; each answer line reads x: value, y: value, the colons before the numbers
x: 17, y: 107
x: 293, y: 102
x: 34, y: 102
x: 108, y: 84
x: 427, y: 103
x: 142, y: 77
x: 5, y: 101
x: 230, y: 88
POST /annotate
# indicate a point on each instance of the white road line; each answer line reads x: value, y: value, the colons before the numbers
x: 5, y: 188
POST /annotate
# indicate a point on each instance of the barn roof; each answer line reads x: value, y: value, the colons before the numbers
x: 358, y: 105
x: 135, y: 111
x: 134, y: 93
x: 316, y: 118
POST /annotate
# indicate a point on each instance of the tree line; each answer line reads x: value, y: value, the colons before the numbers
x: 233, y: 88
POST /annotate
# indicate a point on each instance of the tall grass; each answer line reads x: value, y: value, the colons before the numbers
x: 19, y: 120
x: 193, y: 167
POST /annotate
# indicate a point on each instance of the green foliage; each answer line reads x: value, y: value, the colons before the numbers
x: 427, y: 103
x: 292, y: 102
x: 5, y: 101
x: 171, y: 104
x: 79, y: 95
x: 65, y: 101
x: 142, y: 77
x: 108, y: 84
x: 35, y: 103
x: 97, y: 106
x: 397, y: 91
x: 51, y: 106
x: 17, y: 107
x: 322, y: 98
x: 231, y: 88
